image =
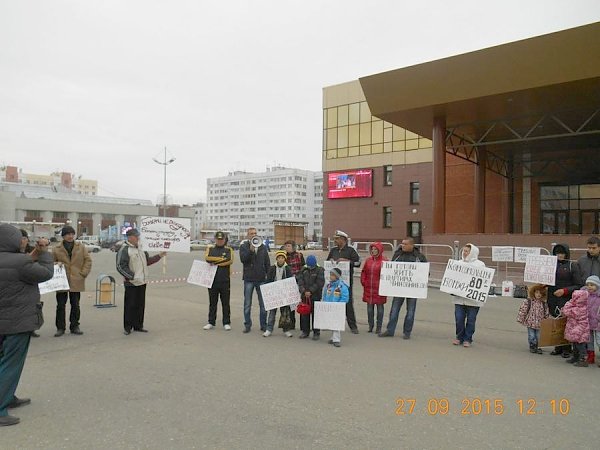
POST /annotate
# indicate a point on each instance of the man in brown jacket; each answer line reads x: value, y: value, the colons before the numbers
x: 77, y: 262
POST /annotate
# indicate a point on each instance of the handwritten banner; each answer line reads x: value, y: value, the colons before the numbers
x: 540, y: 269
x: 404, y: 279
x: 344, y: 266
x: 502, y: 254
x: 330, y: 316
x: 58, y: 282
x: 522, y: 252
x: 165, y: 234
x: 467, y: 281
x: 280, y: 293
x: 202, y: 273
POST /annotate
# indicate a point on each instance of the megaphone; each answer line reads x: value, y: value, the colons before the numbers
x: 256, y: 241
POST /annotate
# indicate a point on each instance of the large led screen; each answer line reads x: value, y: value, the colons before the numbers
x: 350, y: 184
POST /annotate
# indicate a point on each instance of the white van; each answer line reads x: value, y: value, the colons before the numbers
x: 89, y: 239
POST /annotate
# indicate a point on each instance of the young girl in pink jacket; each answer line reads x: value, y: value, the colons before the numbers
x: 577, y: 330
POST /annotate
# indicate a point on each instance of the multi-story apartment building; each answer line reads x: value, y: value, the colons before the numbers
x: 60, y: 181
x: 243, y: 199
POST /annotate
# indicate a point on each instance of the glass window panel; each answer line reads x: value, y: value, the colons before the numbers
x: 342, y: 115
x: 398, y: 146
x: 589, y: 191
x: 324, y: 140
x: 387, y: 147
x: 377, y: 132
x: 589, y: 203
x: 425, y: 143
x: 353, y: 151
x: 377, y: 148
x: 387, y: 134
x: 342, y: 152
x: 574, y: 222
x: 365, y: 112
x: 354, y: 113
x: 554, y: 192
x: 399, y: 133
x: 562, y: 222
x: 331, y: 138
x: 331, y: 117
x: 365, y: 133
x: 412, y: 144
x: 411, y: 135
x: 548, y: 222
x: 353, y: 135
x: 342, y: 137
x: 574, y: 192
x: 324, y: 118
x: 365, y: 149
x: 387, y: 124
x: 555, y: 204
x: 331, y: 154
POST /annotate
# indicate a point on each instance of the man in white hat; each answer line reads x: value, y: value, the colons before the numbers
x: 343, y: 252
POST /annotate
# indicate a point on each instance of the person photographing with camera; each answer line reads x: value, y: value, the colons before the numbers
x: 256, y: 262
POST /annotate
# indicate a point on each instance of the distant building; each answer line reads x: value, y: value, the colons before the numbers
x: 60, y: 181
x: 243, y: 199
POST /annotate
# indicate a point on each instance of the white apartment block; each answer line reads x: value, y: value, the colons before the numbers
x: 242, y: 199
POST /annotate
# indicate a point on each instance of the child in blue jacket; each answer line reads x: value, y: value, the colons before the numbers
x: 336, y: 291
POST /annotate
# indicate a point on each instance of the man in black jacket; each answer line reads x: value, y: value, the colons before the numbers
x: 221, y: 255
x: 589, y: 264
x: 20, y: 311
x: 255, y: 259
x: 343, y: 252
x: 405, y: 253
x: 311, y: 280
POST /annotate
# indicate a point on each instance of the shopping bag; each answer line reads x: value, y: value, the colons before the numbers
x: 552, y: 332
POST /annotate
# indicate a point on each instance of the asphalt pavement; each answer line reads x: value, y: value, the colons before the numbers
x: 180, y: 386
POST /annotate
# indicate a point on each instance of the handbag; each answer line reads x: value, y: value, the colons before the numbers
x: 520, y: 291
x: 304, y: 309
x: 285, y: 319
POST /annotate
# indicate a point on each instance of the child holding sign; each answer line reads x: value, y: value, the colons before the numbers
x: 279, y: 271
x: 369, y: 278
x: 531, y: 313
x: 336, y: 291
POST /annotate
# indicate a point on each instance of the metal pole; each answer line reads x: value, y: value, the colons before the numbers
x: 165, y: 185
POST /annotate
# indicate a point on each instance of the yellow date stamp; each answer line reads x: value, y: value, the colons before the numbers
x: 477, y: 406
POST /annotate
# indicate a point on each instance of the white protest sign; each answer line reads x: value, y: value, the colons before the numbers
x: 58, y: 282
x: 202, y: 273
x: 467, y: 281
x: 540, y: 269
x: 280, y: 293
x: 344, y: 266
x: 404, y: 279
x: 330, y: 316
x: 165, y: 234
x: 502, y: 254
x: 522, y: 252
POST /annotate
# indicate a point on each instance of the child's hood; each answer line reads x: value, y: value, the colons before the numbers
x: 538, y: 287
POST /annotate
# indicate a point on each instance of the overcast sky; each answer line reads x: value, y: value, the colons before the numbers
x: 99, y: 88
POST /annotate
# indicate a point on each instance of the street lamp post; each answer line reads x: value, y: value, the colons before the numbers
x: 164, y: 163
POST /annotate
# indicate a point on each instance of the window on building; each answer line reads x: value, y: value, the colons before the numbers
x: 387, y: 217
x: 414, y: 193
x: 413, y: 229
x: 387, y: 175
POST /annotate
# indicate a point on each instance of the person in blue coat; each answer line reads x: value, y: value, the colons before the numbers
x: 336, y: 291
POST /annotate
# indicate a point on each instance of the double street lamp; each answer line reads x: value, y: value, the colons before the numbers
x: 164, y: 163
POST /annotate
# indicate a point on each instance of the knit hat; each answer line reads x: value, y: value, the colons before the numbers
x: 67, y: 230
x: 337, y: 272
x: 279, y: 253
x: 24, y: 233
x: 579, y: 294
x: 132, y: 232
x: 593, y: 280
x: 311, y: 260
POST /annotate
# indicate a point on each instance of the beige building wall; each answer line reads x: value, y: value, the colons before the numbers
x: 353, y: 138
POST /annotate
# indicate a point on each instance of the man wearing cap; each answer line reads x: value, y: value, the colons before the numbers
x: 132, y: 263
x: 222, y: 256
x: 311, y: 280
x: 343, y: 252
x: 256, y: 263
x: 74, y: 257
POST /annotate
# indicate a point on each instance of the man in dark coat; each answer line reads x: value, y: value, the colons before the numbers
x: 255, y: 259
x: 589, y: 264
x: 311, y: 280
x: 20, y: 311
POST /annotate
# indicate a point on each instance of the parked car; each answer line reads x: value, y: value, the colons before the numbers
x: 200, y: 244
x: 234, y: 244
x: 314, y: 246
x: 93, y: 248
x: 116, y: 246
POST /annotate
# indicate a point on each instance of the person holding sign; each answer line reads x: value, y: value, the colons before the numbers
x: 20, y: 311
x: 222, y: 256
x: 311, y: 280
x: 465, y: 310
x: 406, y: 253
x: 255, y: 258
x: 76, y: 260
x: 132, y: 263
x: 336, y: 291
x: 343, y: 252
x: 369, y: 278
x: 279, y: 271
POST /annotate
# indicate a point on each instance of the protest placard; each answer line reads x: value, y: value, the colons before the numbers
x: 165, y: 234
x: 202, y: 273
x: 540, y: 269
x: 58, y: 282
x: 404, y: 279
x: 344, y: 266
x: 467, y: 281
x: 522, y: 252
x: 280, y: 293
x: 502, y: 254
x: 330, y: 316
